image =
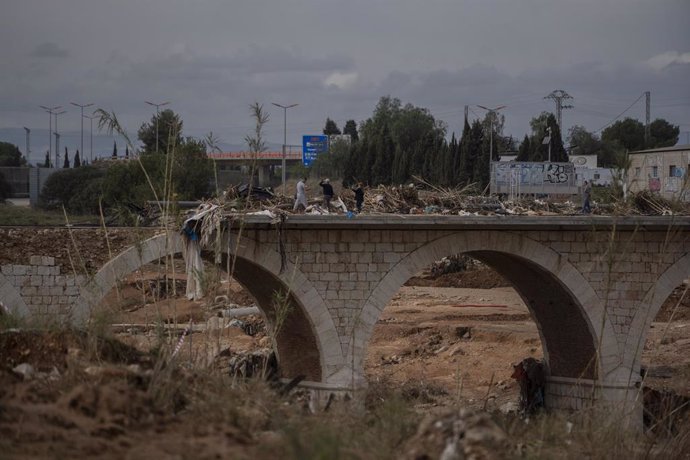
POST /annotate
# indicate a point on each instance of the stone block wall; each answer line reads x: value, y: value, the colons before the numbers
x: 576, y: 394
x: 46, y: 291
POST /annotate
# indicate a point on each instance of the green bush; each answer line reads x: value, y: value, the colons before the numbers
x: 5, y: 188
x: 115, y: 184
x: 68, y: 184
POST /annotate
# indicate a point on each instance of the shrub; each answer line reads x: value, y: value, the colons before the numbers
x: 5, y: 188
x: 68, y: 184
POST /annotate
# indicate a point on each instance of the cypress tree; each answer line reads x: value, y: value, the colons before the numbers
x: 66, y: 163
x: 77, y: 160
x: 525, y: 150
x: 46, y: 163
x: 463, y: 169
x: 114, y: 149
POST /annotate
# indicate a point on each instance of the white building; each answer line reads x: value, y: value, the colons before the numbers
x: 587, y: 169
x: 664, y: 171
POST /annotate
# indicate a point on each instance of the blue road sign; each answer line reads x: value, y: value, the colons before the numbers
x: 312, y: 146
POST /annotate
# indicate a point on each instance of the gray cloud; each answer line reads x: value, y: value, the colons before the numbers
x: 49, y: 50
x: 337, y: 62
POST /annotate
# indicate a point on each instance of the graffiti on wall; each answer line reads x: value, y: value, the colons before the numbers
x: 533, y: 177
x: 556, y: 173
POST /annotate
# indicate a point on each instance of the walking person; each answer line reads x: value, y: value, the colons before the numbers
x: 586, y: 194
x: 301, y: 196
x: 327, y: 193
x: 359, y: 196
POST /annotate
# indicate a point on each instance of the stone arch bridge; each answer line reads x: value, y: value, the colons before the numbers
x: 593, y: 284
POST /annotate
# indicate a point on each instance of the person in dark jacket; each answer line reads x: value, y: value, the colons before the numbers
x: 586, y: 195
x: 359, y: 196
x: 327, y: 193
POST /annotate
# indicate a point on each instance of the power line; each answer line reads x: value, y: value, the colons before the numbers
x: 620, y: 114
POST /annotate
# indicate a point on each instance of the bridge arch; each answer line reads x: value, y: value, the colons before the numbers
x: 11, y: 300
x: 307, y: 343
x: 571, y: 322
x: 673, y: 277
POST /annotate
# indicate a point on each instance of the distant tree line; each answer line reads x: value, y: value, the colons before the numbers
x: 401, y: 141
x: 395, y: 144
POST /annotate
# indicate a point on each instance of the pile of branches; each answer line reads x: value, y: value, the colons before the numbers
x: 648, y: 203
x: 422, y: 197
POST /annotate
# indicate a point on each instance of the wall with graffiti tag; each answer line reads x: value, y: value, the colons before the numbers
x: 533, y: 177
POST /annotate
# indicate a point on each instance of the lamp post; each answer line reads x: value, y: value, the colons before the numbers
x: 549, y: 138
x: 57, y: 139
x: 50, y: 126
x: 28, y: 151
x: 81, y: 106
x: 285, y: 108
x: 90, y: 117
x: 492, y: 116
x: 57, y: 149
x: 157, y: 106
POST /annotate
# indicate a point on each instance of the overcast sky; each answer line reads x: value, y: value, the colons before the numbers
x: 212, y: 58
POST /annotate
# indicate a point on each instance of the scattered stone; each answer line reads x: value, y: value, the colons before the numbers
x: 457, y: 435
x: 25, y: 370
x: 463, y: 332
x: 54, y: 374
x: 236, y: 323
x: 510, y: 407
x: 387, y: 360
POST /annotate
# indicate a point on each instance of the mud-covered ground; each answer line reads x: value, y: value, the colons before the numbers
x: 444, y: 342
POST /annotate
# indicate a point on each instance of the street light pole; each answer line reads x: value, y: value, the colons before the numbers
x: 57, y: 139
x: 50, y: 127
x: 57, y: 149
x: 492, y: 116
x: 157, y: 106
x: 90, y: 117
x: 28, y: 151
x: 82, y: 122
x: 549, y: 130
x: 285, y: 108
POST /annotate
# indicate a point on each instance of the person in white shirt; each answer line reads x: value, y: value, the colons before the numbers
x: 301, y: 196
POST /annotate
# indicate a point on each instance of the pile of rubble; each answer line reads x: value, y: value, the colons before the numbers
x: 424, y: 198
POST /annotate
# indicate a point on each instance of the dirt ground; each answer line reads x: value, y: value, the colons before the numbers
x: 444, y: 341
x: 73, y: 248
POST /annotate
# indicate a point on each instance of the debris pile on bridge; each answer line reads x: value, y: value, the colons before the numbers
x: 422, y: 197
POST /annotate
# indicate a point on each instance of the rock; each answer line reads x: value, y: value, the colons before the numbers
x: 458, y: 435
x: 463, y: 332
x: 25, y: 370
x: 510, y: 407
x: 236, y: 323
x: 54, y: 374
x: 93, y: 370
x: 134, y: 368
